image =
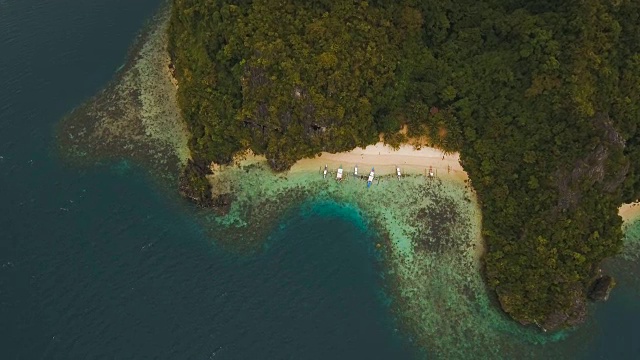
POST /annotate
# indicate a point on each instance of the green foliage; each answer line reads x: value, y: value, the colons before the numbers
x: 533, y: 93
x: 290, y: 79
x: 540, y: 98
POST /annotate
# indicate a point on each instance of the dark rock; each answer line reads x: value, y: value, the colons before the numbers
x: 222, y: 203
x: 575, y: 315
x: 601, y: 287
x: 194, y: 185
x: 278, y: 163
x: 593, y: 168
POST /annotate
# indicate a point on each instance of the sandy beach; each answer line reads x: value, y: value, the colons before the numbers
x: 630, y: 212
x: 383, y: 158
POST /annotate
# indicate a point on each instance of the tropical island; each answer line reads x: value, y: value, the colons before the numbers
x: 539, y: 98
x: 523, y: 204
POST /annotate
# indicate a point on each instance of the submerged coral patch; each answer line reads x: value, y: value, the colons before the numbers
x: 136, y: 116
x: 631, y: 240
x: 429, y: 236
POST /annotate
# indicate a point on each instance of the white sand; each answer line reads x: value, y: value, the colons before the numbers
x: 385, y: 159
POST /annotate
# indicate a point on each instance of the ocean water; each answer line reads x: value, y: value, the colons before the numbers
x: 98, y: 262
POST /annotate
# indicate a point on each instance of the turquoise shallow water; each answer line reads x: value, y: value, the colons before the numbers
x: 99, y: 263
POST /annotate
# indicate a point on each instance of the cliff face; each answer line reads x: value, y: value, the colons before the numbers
x: 576, y: 314
x: 596, y: 167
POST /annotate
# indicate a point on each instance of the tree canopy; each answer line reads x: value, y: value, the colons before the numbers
x: 540, y: 98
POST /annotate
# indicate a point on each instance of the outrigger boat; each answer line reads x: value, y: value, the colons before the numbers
x: 398, y: 172
x: 370, y: 179
x: 339, y: 174
x: 324, y: 174
x: 355, y: 171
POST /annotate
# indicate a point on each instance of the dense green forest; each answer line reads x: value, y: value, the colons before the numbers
x: 540, y: 98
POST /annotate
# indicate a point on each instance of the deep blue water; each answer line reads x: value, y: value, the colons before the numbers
x: 97, y: 263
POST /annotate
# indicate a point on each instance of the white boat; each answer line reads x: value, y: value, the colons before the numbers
x: 370, y: 179
x: 339, y: 174
x: 355, y: 171
x: 324, y: 174
x: 398, y: 172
